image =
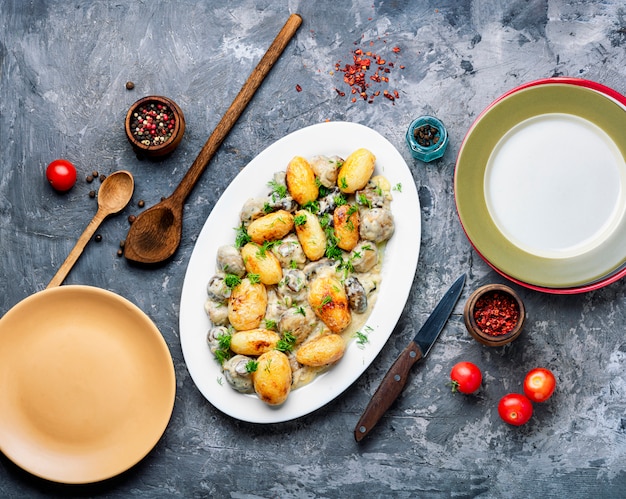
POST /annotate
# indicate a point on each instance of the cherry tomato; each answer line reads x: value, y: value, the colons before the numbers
x: 466, y: 377
x: 61, y: 174
x: 539, y: 384
x: 515, y: 409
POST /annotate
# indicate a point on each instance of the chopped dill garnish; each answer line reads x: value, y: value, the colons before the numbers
x: 340, y: 200
x: 241, y: 238
x: 287, y: 342
x: 279, y: 189
x: 232, y: 280
x: 252, y: 366
x: 363, y: 200
x: 254, y: 278
x: 361, y: 338
x: 222, y: 354
x: 312, y: 206
x: 269, y: 323
x: 299, y: 220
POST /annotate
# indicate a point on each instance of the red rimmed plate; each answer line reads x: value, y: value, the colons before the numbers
x: 592, y: 259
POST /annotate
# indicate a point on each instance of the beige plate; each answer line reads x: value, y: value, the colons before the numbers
x: 87, y: 384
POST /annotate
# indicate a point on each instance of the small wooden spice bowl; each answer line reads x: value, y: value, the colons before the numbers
x: 494, y: 315
x: 162, y: 133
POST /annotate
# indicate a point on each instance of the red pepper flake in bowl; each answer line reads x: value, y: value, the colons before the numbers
x: 496, y: 313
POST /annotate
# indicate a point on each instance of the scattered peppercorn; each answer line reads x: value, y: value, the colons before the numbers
x: 122, y: 243
x: 98, y: 238
x: 426, y: 135
x: 141, y: 203
x: 130, y: 85
x: 120, y: 252
x: 102, y: 177
x: 92, y: 194
x: 152, y: 124
x: 95, y: 174
x: 496, y: 313
x: 89, y: 179
x: 131, y: 218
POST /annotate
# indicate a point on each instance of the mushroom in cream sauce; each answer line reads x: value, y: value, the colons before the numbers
x: 376, y: 224
x: 237, y: 374
x: 229, y: 261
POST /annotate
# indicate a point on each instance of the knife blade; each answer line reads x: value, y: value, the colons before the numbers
x: 394, y: 381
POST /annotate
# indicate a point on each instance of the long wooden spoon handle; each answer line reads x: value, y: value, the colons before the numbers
x: 78, y: 248
x: 237, y: 107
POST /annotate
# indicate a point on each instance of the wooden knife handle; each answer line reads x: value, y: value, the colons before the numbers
x: 390, y: 388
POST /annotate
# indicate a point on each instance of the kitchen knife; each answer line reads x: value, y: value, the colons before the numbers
x: 392, y: 384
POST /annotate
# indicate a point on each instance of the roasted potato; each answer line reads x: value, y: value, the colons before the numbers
x: 356, y: 171
x: 262, y: 262
x: 329, y: 301
x: 346, y: 226
x: 321, y: 350
x: 271, y: 227
x: 310, y: 234
x: 247, y: 304
x: 300, y: 180
x: 272, y: 378
x: 254, y: 341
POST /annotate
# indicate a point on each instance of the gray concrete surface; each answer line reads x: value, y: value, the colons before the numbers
x: 63, y: 69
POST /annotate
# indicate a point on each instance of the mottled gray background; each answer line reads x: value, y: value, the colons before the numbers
x: 63, y: 69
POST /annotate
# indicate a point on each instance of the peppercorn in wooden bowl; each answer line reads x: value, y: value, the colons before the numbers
x: 154, y: 126
x: 494, y: 315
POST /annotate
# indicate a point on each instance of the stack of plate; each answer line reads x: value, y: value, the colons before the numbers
x: 540, y: 185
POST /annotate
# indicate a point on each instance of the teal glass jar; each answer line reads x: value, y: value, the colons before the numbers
x: 427, y: 138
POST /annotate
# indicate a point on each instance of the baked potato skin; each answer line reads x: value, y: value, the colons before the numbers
x: 272, y: 378
x: 271, y: 227
x: 356, y: 171
x: 247, y: 304
x: 329, y: 301
x: 254, y: 341
x: 300, y: 179
x: 311, y: 235
x: 346, y: 226
x: 262, y: 262
x: 321, y: 351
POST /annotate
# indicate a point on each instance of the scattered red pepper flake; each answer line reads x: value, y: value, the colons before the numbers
x: 361, y: 74
x: 298, y: 88
x: 496, y: 313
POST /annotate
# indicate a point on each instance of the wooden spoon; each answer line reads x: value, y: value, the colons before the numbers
x: 113, y: 196
x: 155, y: 234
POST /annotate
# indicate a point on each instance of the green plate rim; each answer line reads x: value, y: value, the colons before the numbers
x: 472, y: 162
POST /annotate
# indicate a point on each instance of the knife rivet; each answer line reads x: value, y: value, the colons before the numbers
x: 412, y: 354
x: 397, y: 377
x: 362, y: 429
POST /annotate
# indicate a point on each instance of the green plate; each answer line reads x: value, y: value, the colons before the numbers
x: 540, y: 185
